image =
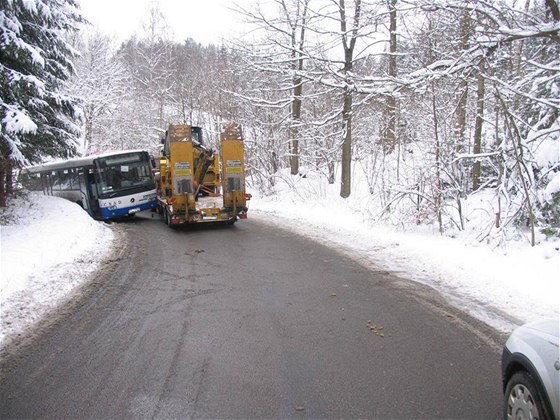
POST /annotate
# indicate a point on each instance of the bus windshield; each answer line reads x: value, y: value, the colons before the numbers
x: 118, y: 175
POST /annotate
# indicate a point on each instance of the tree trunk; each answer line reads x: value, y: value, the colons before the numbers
x: 88, y: 135
x: 347, y: 109
x: 346, y: 164
x: 553, y: 9
x: 274, y: 163
x: 6, y: 180
x: 391, y: 110
x: 501, y: 168
x: 520, y: 163
x: 294, y: 129
x: 477, y: 147
x: 390, y: 131
x: 2, y: 185
x: 298, y: 40
x: 462, y: 97
x: 9, y: 178
x: 437, y: 193
x: 4, y: 165
x: 463, y: 90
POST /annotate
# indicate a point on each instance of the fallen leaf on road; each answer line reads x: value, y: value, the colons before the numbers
x: 378, y: 330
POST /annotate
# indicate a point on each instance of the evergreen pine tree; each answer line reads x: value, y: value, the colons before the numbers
x: 36, y: 119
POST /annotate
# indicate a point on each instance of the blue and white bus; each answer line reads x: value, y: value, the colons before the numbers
x: 107, y: 186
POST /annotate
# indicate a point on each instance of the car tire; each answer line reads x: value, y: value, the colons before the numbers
x: 523, y: 398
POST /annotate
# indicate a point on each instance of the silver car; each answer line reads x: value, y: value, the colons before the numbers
x: 531, y: 371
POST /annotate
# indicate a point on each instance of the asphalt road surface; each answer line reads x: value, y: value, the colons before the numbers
x: 249, y: 321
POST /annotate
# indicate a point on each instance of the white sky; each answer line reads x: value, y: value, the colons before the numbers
x: 205, y: 21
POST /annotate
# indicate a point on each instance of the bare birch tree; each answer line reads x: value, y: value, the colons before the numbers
x: 283, y: 40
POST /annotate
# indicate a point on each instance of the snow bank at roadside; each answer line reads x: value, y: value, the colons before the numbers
x: 503, y: 287
x: 49, y: 246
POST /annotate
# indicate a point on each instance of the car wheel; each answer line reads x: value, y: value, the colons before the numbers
x: 523, y: 399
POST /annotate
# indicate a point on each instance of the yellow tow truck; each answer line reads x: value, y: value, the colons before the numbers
x: 198, y: 185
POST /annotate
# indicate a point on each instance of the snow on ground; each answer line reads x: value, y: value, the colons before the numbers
x: 50, y: 246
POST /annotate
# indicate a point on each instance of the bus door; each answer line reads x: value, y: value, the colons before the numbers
x: 88, y: 191
x: 93, y: 194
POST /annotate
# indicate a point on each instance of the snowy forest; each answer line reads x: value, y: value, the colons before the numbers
x: 421, y: 104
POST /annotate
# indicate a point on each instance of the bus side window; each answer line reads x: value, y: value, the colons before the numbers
x: 74, y: 180
x: 64, y: 180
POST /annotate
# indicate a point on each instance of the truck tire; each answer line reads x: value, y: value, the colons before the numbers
x: 168, y: 219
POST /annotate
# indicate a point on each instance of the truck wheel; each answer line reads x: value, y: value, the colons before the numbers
x: 168, y: 218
